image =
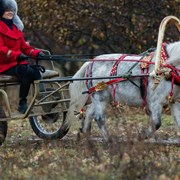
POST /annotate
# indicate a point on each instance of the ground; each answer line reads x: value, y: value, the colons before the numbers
x: 25, y: 156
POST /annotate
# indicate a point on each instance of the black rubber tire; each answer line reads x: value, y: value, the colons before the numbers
x: 3, y: 127
x: 44, y: 134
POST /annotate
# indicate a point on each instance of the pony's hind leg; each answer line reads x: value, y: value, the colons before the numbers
x: 87, y: 120
x: 100, y: 119
x: 76, y: 104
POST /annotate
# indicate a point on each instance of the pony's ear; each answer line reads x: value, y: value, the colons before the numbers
x: 17, y: 21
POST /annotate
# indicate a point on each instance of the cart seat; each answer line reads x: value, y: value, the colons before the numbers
x: 7, y: 78
x: 46, y: 75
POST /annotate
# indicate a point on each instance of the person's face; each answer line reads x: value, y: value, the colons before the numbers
x: 8, y: 14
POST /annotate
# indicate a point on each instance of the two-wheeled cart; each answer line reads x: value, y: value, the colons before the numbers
x: 46, y: 110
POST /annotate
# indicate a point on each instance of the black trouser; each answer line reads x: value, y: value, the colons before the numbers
x: 27, y: 74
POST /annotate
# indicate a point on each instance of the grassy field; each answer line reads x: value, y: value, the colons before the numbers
x: 25, y: 156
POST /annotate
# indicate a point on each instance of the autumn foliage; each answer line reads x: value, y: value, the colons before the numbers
x: 96, y: 26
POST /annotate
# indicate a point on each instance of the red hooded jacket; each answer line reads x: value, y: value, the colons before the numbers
x: 12, y: 44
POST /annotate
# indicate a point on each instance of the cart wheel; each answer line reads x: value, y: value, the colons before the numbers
x: 3, y: 127
x: 50, y: 126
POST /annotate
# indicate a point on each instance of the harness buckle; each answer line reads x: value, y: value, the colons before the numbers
x: 100, y: 86
x: 170, y: 99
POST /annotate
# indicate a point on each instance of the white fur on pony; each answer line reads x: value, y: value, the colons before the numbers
x: 126, y: 92
x: 175, y: 53
x: 16, y: 20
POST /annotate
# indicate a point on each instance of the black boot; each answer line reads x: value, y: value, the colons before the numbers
x: 22, y: 107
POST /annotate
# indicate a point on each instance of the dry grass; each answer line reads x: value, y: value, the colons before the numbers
x: 24, y: 156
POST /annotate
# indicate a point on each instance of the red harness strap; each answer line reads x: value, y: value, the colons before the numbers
x: 112, y: 73
x: 111, y: 82
x: 144, y: 65
x: 175, y: 76
x: 175, y: 79
x: 114, y: 82
x: 89, y: 73
x: 114, y: 68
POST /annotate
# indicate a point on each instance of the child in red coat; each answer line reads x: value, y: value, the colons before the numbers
x: 13, y: 53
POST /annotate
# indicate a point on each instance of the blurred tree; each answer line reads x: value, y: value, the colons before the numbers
x: 96, y: 26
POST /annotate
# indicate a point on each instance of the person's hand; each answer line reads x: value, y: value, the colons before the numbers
x: 22, y: 57
x: 41, y: 54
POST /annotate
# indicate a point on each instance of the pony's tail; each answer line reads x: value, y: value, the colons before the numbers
x: 78, y: 100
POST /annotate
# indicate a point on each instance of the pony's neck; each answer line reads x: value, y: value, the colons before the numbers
x: 173, y: 50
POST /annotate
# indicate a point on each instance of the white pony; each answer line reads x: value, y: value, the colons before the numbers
x: 126, y: 91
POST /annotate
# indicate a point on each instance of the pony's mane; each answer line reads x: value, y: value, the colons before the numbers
x: 173, y: 50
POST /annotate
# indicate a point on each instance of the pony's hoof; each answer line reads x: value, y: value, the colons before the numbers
x: 110, y: 140
x: 143, y: 135
x: 80, y: 130
x: 107, y: 140
x: 82, y: 135
x: 79, y: 135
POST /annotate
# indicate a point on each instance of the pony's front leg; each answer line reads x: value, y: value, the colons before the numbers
x: 175, y: 111
x: 100, y: 119
x: 154, y: 112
